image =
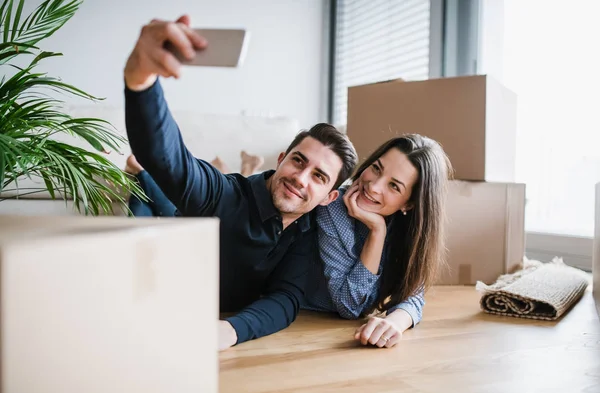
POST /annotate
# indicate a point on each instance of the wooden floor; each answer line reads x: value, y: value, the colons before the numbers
x: 456, y: 348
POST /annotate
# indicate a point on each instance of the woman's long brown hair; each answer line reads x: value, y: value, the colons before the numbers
x: 415, y: 246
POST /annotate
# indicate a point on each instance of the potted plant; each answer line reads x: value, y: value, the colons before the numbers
x: 31, y: 119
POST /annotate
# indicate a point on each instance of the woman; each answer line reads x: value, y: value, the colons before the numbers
x: 382, y: 242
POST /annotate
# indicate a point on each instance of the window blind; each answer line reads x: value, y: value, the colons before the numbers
x: 377, y: 40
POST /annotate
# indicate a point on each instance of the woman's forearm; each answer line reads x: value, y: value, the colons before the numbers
x: 401, y: 319
x: 373, y: 249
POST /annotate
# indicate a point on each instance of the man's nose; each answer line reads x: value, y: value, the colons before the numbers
x: 302, y: 178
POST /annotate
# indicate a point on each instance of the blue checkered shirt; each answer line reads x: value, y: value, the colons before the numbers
x: 339, y: 282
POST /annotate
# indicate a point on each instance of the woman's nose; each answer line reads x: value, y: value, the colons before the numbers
x: 375, y: 186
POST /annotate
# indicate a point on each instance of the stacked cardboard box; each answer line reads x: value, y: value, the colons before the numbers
x: 108, y: 304
x: 474, y: 119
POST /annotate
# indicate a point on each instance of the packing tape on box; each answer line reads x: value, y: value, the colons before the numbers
x: 144, y: 275
x: 464, y: 274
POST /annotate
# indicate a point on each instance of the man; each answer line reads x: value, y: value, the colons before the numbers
x: 267, y: 237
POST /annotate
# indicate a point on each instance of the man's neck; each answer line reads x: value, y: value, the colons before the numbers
x: 287, y: 219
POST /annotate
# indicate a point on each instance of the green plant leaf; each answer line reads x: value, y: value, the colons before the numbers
x: 17, y: 19
x: 3, y: 165
x: 2, y: 12
x: 49, y: 184
x: 48, y: 17
x: 7, y: 20
x: 13, y: 45
x: 7, y: 55
x: 43, y: 55
x: 31, y: 117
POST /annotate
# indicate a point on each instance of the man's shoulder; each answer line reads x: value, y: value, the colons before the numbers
x: 239, y: 181
x: 330, y: 218
x: 235, y: 181
x: 337, y: 207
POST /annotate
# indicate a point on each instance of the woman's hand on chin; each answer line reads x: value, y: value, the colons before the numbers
x: 373, y: 221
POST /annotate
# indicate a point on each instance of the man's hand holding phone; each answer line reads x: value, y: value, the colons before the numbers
x: 151, y: 58
x: 163, y: 47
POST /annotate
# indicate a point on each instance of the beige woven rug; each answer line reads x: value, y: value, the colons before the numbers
x: 538, y: 290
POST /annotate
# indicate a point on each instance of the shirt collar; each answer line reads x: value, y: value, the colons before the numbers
x: 264, y: 201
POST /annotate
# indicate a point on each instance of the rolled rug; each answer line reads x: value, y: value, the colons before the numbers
x: 538, y: 290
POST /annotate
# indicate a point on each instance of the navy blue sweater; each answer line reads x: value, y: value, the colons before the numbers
x: 263, y: 268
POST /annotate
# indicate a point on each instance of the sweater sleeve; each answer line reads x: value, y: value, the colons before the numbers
x: 192, y: 185
x: 278, y: 308
x: 413, y: 306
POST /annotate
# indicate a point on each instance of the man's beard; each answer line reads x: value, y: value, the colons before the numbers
x: 284, y: 207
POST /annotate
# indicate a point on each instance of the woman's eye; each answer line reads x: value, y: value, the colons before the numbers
x: 376, y: 168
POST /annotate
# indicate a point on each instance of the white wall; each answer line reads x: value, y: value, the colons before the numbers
x: 282, y: 73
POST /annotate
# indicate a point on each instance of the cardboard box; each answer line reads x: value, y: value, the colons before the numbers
x: 473, y: 117
x: 596, y: 256
x: 485, y: 231
x: 108, y: 304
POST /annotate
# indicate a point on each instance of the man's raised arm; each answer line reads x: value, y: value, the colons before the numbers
x: 153, y: 134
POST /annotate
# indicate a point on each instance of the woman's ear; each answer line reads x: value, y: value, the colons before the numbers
x: 407, y: 207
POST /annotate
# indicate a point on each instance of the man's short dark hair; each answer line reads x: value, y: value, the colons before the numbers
x: 333, y: 139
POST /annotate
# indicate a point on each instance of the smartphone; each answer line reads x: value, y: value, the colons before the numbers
x: 226, y: 48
